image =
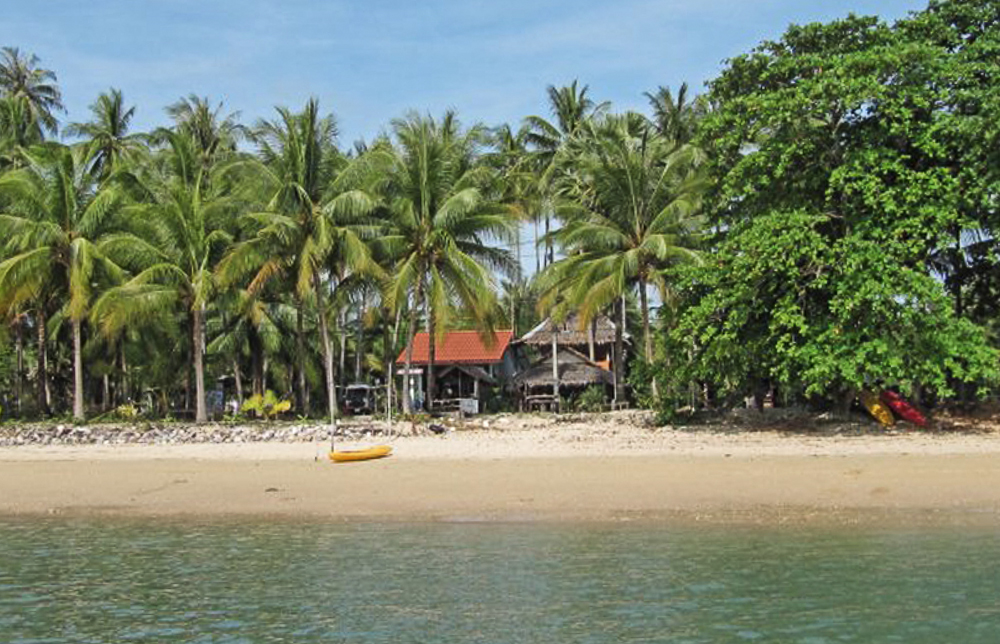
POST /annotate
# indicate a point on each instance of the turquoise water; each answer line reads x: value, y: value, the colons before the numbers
x: 102, y: 581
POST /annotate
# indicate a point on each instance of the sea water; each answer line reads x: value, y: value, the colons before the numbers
x: 110, y: 581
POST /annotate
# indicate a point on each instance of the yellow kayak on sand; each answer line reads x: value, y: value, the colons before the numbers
x: 346, y: 456
x: 878, y: 409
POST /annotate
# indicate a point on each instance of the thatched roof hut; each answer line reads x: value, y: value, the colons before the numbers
x: 570, y: 332
x: 575, y: 370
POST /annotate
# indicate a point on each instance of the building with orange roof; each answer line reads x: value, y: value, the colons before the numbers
x: 467, y: 365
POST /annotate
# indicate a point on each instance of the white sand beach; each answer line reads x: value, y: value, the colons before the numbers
x: 585, y: 469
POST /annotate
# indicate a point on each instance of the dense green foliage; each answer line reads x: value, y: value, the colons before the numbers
x: 853, y: 160
x: 823, y: 219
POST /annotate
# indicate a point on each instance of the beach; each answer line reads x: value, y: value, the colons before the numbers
x: 578, y: 470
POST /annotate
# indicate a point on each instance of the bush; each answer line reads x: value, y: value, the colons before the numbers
x: 267, y: 406
x: 590, y: 399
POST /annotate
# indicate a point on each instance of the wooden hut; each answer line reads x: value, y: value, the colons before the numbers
x: 539, y: 385
x: 596, y: 340
x: 594, y: 343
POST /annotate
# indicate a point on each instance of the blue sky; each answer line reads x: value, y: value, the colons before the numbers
x: 369, y: 62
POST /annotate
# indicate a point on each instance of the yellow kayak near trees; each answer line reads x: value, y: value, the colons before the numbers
x: 878, y: 409
x: 346, y: 456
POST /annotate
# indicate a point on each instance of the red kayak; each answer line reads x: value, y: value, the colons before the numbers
x: 902, y: 408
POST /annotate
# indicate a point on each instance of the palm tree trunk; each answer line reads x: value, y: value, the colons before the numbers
x: 77, y: 370
x: 19, y: 376
x: 342, y: 355
x: 619, y: 350
x: 591, y: 332
x: 538, y: 258
x: 548, y: 241
x: 555, y: 366
x: 391, y: 355
x: 300, y: 368
x: 201, y: 413
x: 359, y: 344
x: 431, y: 354
x: 324, y: 331
x: 238, y: 378
x: 646, y: 336
x: 43, y: 379
x: 411, y: 332
x: 257, y: 365
x: 125, y: 389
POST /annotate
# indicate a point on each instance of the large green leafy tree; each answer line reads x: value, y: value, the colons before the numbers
x: 837, y: 184
x: 443, y: 228
x: 966, y: 36
x: 55, y: 223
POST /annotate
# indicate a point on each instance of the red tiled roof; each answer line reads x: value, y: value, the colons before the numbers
x: 459, y: 347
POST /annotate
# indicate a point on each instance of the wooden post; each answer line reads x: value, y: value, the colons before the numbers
x: 590, y: 338
x: 555, y: 365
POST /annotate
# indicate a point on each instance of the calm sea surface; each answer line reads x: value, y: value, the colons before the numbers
x: 109, y: 581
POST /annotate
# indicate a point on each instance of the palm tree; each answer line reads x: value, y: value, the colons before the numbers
x: 676, y: 117
x: 177, y: 236
x: 248, y: 321
x: 107, y: 135
x: 21, y: 77
x: 214, y: 135
x: 443, y: 221
x: 314, y: 226
x: 518, y: 184
x: 571, y: 108
x: 56, y: 222
x: 18, y: 131
x: 632, y: 207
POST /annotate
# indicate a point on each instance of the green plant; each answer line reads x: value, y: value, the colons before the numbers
x: 128, y: 411
x: 267, y: 406
x: 590, y: 399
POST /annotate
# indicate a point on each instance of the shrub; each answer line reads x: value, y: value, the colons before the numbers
x: 590, y: 399
x: 267, y: 406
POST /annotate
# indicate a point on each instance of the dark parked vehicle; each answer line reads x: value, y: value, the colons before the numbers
x: 358, y: 399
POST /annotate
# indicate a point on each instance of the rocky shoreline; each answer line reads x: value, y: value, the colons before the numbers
x: 170, y: 434
x: 180, y: 433
x: 566, y: 426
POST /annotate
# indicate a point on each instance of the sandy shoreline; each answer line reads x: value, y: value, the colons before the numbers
x: 617, y: 472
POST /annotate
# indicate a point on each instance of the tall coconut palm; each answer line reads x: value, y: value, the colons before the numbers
x: 676, y: 117
x: 213, y: 133
x: 313, y: 230
x: 178, y: 234
x: 518, y: 182
x: 632, y: 207
x: 54, y: 227
x: 106, y: 134
x: 571, y: 108
x: 19, y: 130
x: 21, y: 77
x: 442, y: 228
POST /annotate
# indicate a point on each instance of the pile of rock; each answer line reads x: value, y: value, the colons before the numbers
x: 168, y: 433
